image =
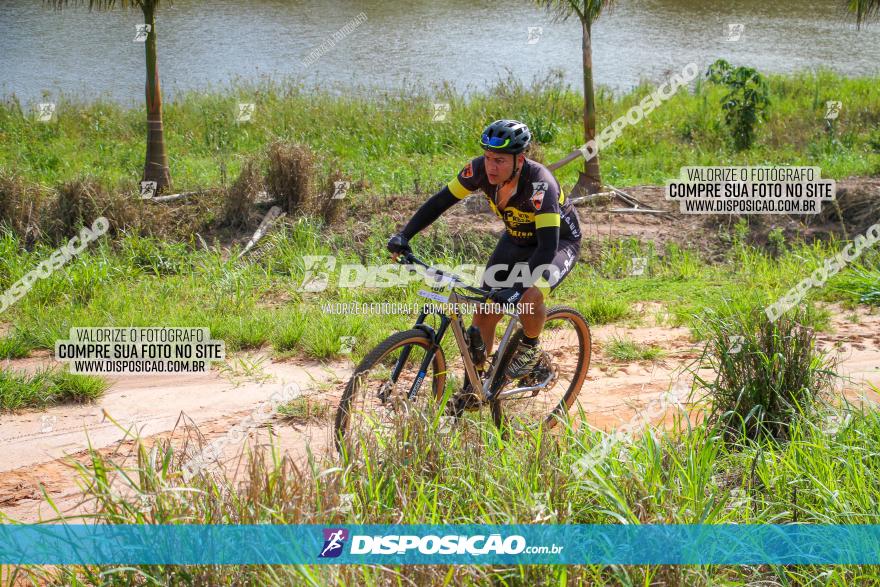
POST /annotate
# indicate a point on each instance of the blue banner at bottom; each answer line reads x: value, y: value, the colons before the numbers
x: 65, y: 544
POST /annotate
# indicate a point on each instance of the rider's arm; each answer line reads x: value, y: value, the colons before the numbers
x: 548, y: 242
x: 547, y: 221
x: 454, y: 192
x: 429, y: 212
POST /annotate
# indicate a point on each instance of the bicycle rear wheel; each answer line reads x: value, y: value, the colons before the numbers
x: 567, y: 345
x: 374, y: 399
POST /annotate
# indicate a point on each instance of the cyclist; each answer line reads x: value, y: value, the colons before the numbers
x: 538, y: 249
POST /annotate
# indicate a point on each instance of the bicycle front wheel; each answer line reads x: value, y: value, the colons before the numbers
x: 567, y: 343
x: 377, y: 395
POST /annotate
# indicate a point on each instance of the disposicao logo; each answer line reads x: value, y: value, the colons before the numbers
x: 432, y: 544
x: 470, y: 545
x: 334, y: 541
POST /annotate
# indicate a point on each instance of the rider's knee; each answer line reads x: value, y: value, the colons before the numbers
x: 533, y: 298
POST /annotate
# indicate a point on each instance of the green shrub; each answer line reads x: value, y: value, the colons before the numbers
x: 768, y: 375
x: 625, y: 349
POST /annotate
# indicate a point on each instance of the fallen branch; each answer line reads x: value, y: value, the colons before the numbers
x: 639, y: 210
x: 171, y: 197
x: 274, y: 214
x: 565, y: 160
x: 583, y: 199
x: 626, y: 197
x: 637, y: 206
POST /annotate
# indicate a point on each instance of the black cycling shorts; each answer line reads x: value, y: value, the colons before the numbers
x: 509, y: 263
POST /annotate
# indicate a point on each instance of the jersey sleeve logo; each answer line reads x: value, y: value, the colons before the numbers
x: 468, y: 170
x: 539, y: 188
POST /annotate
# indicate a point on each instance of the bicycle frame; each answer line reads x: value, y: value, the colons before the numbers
x: 457, y: 299
x: 457, y: 325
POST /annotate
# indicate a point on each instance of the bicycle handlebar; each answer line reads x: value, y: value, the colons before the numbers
x: 411, y: 259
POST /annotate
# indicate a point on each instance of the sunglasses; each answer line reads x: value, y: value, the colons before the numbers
x: 496, y: 142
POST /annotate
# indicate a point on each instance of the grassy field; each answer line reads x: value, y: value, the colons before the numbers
x: 797, y: 460
x: 256, y: 302
x: 388, y: 142
x: 826, y: 468
x: 139, y: 281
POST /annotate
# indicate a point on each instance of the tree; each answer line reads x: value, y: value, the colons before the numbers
x: 863, y: 9
x: 746, y: 102
x: 156, y: 164
x: 588, y: 12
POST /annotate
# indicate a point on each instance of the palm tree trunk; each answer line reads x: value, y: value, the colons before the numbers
x: 156, y: 165
x: 589, y: 181
x: 863, y: 9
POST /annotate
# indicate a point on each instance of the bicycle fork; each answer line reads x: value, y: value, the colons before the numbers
x: 435, y: 337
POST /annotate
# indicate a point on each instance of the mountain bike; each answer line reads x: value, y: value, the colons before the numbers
x: 389, y: 379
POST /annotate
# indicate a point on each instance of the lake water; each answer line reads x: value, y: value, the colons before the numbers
x: 470, y: 44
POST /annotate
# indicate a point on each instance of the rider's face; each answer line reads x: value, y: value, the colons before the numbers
x: 499, y: 166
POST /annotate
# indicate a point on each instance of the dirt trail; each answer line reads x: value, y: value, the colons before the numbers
x: 35, y: 447
x: 148, y: 404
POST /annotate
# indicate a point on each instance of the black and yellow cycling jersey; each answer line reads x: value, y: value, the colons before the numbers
x: 542, y: 228
x: 537, y: 202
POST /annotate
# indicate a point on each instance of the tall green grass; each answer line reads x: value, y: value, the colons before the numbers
x: 429, y: 473
x: 388, y: 139
x: 861, y: 284
x: 13, y: 348
x: 19, y: 390
x: 767, y: 375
